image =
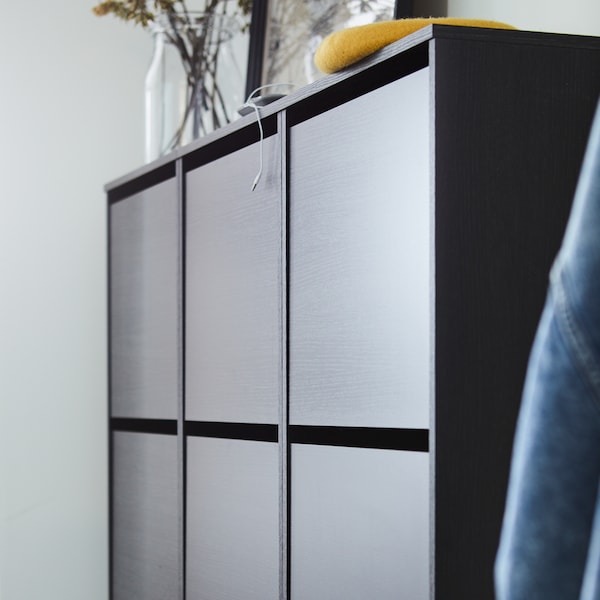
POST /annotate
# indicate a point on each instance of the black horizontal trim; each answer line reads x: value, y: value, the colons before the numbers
x: 416, y: 440
x: 258, y: 432
x: 226, y: 145
x: 164, y: 426
x: 144, y: 181
x: 375, y: 77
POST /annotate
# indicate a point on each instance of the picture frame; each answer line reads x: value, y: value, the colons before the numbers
x: 285, y: 33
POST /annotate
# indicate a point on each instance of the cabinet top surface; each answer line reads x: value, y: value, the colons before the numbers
x: 393, y: 53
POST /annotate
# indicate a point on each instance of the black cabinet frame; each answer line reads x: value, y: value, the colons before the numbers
x: 510, y: 118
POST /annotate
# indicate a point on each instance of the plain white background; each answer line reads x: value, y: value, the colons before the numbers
x: 71, y: 119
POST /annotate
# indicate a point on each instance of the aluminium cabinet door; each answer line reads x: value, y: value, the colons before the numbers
x: 232, y: 541
x: 145, y: 517
x: 234, y: 287
x: 360, y: 524
x: 359, y: 261
x: 144, y: 302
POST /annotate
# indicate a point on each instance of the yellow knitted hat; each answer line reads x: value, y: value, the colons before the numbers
x: 343, y: 48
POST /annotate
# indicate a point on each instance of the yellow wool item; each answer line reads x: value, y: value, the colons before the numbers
x: 343, y: 48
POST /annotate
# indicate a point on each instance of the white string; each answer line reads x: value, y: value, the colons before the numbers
x: 262, y: 137
x: 251, y: 104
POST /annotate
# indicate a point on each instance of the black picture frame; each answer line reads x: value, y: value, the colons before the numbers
x: 258, y: 36
x: 403, y: 9
x: 256, y: 47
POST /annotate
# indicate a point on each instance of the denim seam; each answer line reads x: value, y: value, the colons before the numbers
x: 578, y: 345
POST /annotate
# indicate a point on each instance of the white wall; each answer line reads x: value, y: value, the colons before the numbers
x: 71, y: 100
x: 580, y: 17
x: 559, y: 16
x: 71, y: 119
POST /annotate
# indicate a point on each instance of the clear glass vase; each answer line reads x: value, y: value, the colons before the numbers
x: 194, y: 83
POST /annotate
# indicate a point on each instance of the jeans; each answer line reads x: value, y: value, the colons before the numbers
x: 550, y: 542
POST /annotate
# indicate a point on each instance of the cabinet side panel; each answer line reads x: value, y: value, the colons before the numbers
x: 144, y: 303
x: 511, y: 126
x: 359, y: 264
x: 233, y: 287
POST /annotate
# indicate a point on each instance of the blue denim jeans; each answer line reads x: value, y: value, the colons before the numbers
x: 550, y: 542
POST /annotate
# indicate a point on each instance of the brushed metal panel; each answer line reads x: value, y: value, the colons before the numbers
x: 145, y: 519
x: 144, y: 283
x: 233, y: 288
x: 360, y: 524
x: 232, y: 520
x: 360, y: 261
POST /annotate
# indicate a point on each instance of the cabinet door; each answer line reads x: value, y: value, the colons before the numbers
x: 233, y: 288
x: 232, y: 520
x: 359, y: 252
x: 145, y: 517
x: 144, y: 258
x: 360, y: 524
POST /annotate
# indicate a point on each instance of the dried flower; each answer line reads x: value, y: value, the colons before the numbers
x: 142, y: 14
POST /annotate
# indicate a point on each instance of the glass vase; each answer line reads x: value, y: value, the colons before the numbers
x: 194, y: 83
